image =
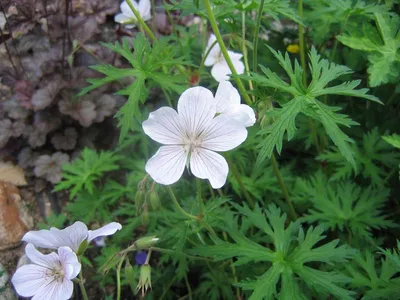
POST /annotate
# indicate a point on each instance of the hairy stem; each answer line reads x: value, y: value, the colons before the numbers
x: 82, y: 286
x: 302, y: 45
x: 256, y: 34
x: 283, y: 187
x: 224, y: 51
x: 119, y: 277
x: 178, y: 207
x: 140, y: 20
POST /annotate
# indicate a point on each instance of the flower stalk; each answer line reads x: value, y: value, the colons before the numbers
x: 224, y: 51
x: 140, y: 20
x: 178, y: 207
x: 82, y: 287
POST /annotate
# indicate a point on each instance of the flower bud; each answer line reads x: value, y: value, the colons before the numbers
x: 130, y: 274
x: 146, y: 242
x: 139, y: 200
x: 82, y: 247
x: 145, y: 215
x: 145, y: 279
x: 154, y: 199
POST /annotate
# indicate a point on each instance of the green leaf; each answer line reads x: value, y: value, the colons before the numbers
x: 393, y: 140
x: 383, y: 57
x: 304, y: 100
x: 82, y: 173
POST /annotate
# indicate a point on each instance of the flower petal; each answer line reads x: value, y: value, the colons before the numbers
x: 55, y: 290
x: 223, y: 133
x: 235, y: 55
x: 167, y: 165
x: 42, y: 238
x: 226, y: 97
x: 221, y: 71
x: 206, y: 164
x: 45, y: 260
x: 196, y: 108
x: 163, y: 126
x: 215, y: 52
x: 126, y: 10
x: 244, y: 114
x: 121, y: 18
x: 70, y: 262
x: 238, y: 64
x: 108, y: 229
x: 72, y: 236
x: 28, y: 279
x: 144, y: 9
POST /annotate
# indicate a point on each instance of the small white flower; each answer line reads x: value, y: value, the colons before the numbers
x: 49, y: 277
x: 72, y: 236
x: 228, y: 102
x: 127, y: 17
x: 220, y: 70
x: 191, y: 136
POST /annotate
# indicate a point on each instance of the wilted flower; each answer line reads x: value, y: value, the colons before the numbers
x: 73, y: 236
x: 215, y: 58
x: 145, y: 279
x: 105, y: 106
x: 49, y: 167
x: 66, y: 141
x: 10, y: 129
x: 127, y: 17
x: 191, y: 136
x: 82, y: 110
x: 49, y: 277
x: 228, y: 103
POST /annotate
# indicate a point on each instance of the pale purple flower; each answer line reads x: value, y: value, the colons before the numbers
x: 191, y: 136
x: 49, y: 277
x: 72, y: 236
x: 220, y: 69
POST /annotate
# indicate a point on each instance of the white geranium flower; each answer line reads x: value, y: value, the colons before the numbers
x: 228, y: 102
x: 220, y: 70
x: 49, y: 277
x: 127, y: 17
x: 191, y: 136
x: 72, y: 236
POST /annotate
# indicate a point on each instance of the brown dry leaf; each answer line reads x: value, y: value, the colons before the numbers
x: 12, y: 174
x: 12, y: 228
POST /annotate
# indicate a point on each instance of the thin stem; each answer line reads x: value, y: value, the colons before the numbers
x: 302, y: 46
x: 82, y: 286
x: 315, y: 137
x: 233, y: 269
x: 188, y: 287
x: 162, y: 250
x: 283, y: 186
x: 119, y: 277
x: 140, y: 20
x: 179, y: 208
x: 241, y: 184
x: 200, y: 197
x: 256, y: 34
x: 17, y: 73
x: 244, y: 50
x: 224, y: 51
x: 168, y: 286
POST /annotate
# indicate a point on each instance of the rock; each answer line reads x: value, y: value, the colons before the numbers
x: 6, y: 292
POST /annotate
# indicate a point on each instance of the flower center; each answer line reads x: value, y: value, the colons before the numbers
x: 56, y: 274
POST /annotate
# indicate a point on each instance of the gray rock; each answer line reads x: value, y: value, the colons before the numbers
x: 6, y: 292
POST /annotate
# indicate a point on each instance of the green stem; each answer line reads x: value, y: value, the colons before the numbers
x: 233, y: 269
x: 302, y: 46
x: 224, y: 51
x: 188, y: 287
x: 244, y: 50
x: 179, y: 208
x: 200, y: 198
x: 283, y: 186
x: 119, y: 277
x: 82, y: 286
x: 256, y: 35
x: 140, y: 20
x: 241, y: 184
x: 162, y: 250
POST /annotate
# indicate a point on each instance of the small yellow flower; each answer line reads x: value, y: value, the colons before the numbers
x: 293, y: 48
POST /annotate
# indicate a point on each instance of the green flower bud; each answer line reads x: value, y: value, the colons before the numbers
x: 146, y: 242
x: 130, y: 274
x: 145, y: 279
x: 145, y: 215
x: 82, y: 247
x: 154, y: 199
x: 139, y: 200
